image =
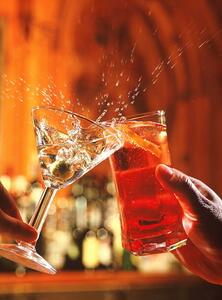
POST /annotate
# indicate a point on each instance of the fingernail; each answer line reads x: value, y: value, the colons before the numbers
x: 187, y: 225
x: 31, y: 230
x: 165, y: 171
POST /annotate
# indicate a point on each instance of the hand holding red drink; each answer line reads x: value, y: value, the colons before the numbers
x: 161, y: 208
x: 202, y: 222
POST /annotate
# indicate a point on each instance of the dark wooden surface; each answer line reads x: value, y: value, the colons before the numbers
x: 106, y: 285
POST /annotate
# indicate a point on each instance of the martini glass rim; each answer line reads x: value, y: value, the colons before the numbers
x: 54, y: 108
x: 153, y: 113
x: 139, y: 117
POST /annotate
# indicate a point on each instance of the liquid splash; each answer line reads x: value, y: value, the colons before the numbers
x: 105, y: 101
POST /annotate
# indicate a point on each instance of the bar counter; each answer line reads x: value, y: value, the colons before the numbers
x: 105, y: 285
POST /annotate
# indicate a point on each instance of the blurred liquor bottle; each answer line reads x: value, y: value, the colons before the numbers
x: 90, y: 248
x: 129, y: 262
x: 97, y: 245
x: 106, y: 238
x: 98, y: 242
x: 74, y: 255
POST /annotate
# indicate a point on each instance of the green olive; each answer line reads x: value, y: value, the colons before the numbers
x: 61, y: 169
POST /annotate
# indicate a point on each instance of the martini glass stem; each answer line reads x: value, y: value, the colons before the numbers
x: 42, y: 208
x: 40, y: 213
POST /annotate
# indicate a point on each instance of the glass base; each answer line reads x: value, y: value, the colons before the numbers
x: 177, y: 245
x: 155, y: 245
x: 27, y: 256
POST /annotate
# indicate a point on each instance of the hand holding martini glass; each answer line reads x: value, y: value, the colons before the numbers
x: 69, y: 145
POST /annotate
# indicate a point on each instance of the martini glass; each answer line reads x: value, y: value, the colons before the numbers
x: 69, y: 145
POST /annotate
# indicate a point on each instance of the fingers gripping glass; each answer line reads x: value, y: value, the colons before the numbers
x: 69, y: 145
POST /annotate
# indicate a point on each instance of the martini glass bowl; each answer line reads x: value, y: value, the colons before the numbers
x: 69, y: 145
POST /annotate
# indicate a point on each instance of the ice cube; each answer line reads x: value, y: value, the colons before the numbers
x: 74, y: 134
x: 42, y: 136
x: 86, y: 158
x: 57, y: 136
x: 65, y: 153
x: 93, y: 149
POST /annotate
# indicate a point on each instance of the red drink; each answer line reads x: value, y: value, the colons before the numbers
x: 150, y: 216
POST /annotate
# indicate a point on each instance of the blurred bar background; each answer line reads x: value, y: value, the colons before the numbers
x: 106, y: 59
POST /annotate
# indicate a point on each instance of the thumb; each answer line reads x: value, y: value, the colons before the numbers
x: 16, y: 229
x: 185, y: 191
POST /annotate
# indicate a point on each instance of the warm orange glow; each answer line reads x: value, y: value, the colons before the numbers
x: 171, y: 50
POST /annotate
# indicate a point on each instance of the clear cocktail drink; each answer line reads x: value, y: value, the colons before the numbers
x: 69, y: 145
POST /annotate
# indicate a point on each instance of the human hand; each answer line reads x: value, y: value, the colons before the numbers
x: 11, y: 224
x: 202, y: 223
